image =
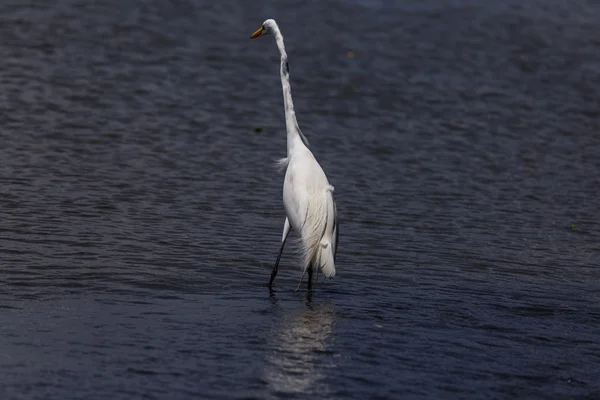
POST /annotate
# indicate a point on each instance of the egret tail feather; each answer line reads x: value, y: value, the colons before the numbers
x: 326, y: 262
x: 318, y: 237
x: 313, y: 228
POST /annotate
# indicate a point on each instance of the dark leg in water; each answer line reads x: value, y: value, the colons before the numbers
x: 310, y: 272
x: 276, y: 266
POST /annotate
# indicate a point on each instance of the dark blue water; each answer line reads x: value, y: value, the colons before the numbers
x: 140, y: 212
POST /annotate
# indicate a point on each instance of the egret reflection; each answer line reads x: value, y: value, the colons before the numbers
x: 297, y: 361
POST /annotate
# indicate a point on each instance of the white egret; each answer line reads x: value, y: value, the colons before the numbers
x: 307, y: 195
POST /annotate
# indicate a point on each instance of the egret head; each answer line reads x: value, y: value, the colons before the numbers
x: 267, y: 27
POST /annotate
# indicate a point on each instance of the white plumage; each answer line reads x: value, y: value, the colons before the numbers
x: 307, y: 195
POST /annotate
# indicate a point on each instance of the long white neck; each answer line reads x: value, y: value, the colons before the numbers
x: 294, y: 135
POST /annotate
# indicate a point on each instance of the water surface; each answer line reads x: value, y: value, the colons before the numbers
x: 141, y: 213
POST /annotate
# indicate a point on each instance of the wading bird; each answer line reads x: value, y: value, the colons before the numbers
x: 307, y: 195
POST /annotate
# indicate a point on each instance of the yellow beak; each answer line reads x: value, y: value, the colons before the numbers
x: 257, y: 33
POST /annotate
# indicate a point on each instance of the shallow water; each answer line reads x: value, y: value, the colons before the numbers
x: 141, y: 213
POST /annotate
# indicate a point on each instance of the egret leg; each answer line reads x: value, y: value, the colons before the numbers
x: 310, y: 272
x: 286, y: 232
